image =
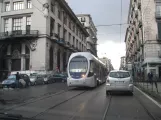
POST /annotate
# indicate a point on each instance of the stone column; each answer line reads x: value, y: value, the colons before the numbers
x: 9, y: 64
x: 25, y: 4
x: 24, y: 23
x: 61, y: 60
x: 23, y: 57
x: 9, y: 24
x: 9, y: 50
x: 11, y: 5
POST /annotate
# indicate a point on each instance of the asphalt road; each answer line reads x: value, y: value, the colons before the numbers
x: 57, y: 102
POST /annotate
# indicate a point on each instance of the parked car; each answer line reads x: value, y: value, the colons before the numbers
x: 48, y: 79
x: 36, y: 79
x: 13, y: 83
x: 60, y: 77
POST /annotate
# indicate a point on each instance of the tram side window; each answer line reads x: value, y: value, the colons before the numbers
x: 91, y: 70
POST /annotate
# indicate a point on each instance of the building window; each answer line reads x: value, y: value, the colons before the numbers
x: 53, y: 6
x: 7, y: 6
x: 28, y: 20
x: 83, y: 19
x: 65, y: 18
x: 17, y: 24
x: 59, y: 27
x: 74, y: 41
x: 64, y: 34
x: 159, y: 30
x: 29, y: 5
x: 73, y: 27
x: 6, y: 25
x: 69, y: 24
x: 69, y: 37
x: 76, y: 31
x: 52, y: 26
x: 28, y: 24
x: 18, y: 5
x: 80, y: 45
x: 59, y: 12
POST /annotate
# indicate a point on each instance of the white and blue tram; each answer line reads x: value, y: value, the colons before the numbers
x: 85, y: 70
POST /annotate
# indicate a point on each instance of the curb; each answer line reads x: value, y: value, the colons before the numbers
x: 150, y: 95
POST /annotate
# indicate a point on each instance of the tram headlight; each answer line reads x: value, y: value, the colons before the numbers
x: 83, y: 76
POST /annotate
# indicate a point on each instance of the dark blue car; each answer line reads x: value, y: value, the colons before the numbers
x: 11, y: 81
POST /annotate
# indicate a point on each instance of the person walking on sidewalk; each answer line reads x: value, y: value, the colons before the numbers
x: 150, y: 77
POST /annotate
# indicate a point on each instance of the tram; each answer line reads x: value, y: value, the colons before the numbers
x: 85, y: 70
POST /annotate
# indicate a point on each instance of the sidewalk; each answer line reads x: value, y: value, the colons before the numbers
x: 151, y: 89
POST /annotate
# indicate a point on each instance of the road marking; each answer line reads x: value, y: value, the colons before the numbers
x: 150, y: 98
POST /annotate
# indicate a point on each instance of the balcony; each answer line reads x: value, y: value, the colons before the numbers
x: 19, y: 34
x: 61, y: 41
x: 158, y: 14
x: 67, y: 44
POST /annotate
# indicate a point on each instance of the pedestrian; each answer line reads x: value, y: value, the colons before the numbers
x: 17, y: 79
x: 150, y: 77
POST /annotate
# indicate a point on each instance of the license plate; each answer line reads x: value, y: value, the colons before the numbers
x: 119, y: 81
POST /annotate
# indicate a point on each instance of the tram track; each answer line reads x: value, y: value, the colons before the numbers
x: 36, y: 99
x: 107, y: 107
x: 65, y: 101
x: 58, y: 104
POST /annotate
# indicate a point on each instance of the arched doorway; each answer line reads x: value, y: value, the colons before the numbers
x: 16, y: 57
x: 51, y: 58
x: 58, y: 59
x: 64, y: 62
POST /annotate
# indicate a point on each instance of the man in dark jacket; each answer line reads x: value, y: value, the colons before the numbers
x: 17, y: 79
x: 150, y: 76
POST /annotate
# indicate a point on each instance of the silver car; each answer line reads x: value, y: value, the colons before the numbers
x: 36, y: 79
x: 119, y: 81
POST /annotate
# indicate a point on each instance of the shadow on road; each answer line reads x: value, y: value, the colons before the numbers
x: 121, y: 94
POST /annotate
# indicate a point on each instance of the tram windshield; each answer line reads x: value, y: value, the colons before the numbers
x: 78, y: 66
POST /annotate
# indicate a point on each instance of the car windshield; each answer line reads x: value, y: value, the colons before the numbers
x: 119, y: 74
x: 12, y: 77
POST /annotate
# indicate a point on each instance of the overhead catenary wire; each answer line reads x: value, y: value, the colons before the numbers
x: 40, y: 2
x: 111, y: 25
x: 38, y: 9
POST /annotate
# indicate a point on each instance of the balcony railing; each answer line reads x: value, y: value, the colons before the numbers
x: 19, y: 33
x: 158, y: 14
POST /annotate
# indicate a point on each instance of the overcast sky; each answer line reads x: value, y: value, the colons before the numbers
x: 106, y: 12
